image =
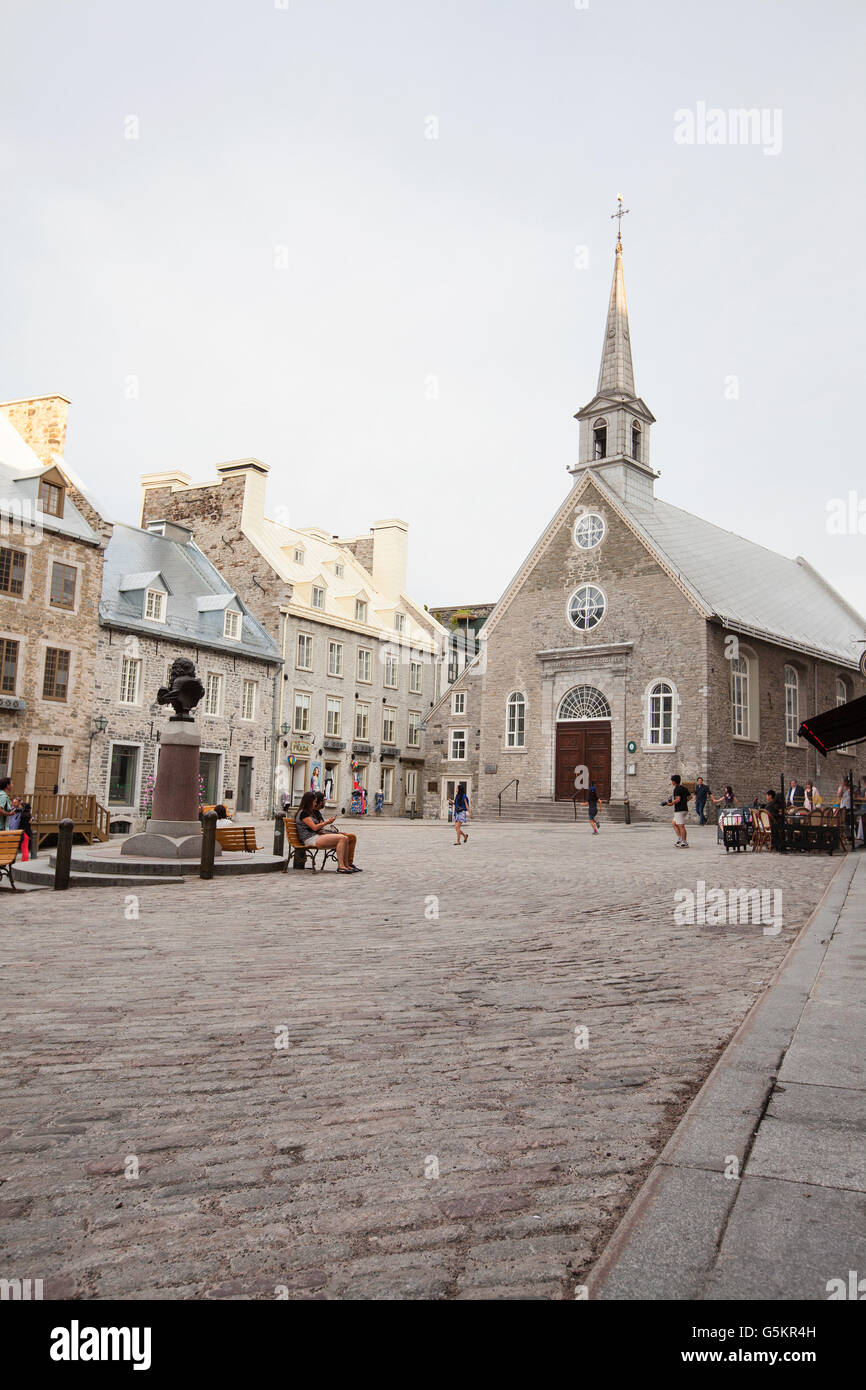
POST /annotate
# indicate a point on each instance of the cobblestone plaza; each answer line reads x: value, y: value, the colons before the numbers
x: 442, y: 1079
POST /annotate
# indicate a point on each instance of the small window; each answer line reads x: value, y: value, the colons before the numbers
x: 390, y: 679
x: 365, y: 665
x: 12, y: 566
x: 360, y: 611
x: 55, y: 679
x: 334, y: 723
x: 232, y: 624
x: 457, y: 750
x: 599, y: 439
x: 8, y: 665
x: 841, y: 699
x: 660, y: 714
x: 416, y: 677
x: 339, y: 569
x: 130, y: 677
x: 335, y: 658
x: 249, y: 691
x: 635, y: 442
x: 389, y: 724
x: 51, y: 498
x: 318, y: 596
x: 305, y: 652
x: 299, y: 556
x: 589, y: 531
x: 413, y: 737
x: 792, y: 705
x: 515, y: 720
x: 213, y: 693
x: 586, y: 608
x: 303, y: 704
x: 362, y: 722
x: 740, y: 696
x: 458, y: 702
x: 63, y: 579
x: 400, y: 622
x: 154, y: 605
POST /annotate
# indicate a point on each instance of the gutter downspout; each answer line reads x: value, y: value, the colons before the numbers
x: 275, y: 721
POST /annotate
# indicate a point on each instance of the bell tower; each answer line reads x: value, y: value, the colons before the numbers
x: 615, y: 425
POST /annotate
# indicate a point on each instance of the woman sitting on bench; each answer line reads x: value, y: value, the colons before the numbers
x: 309, y: 823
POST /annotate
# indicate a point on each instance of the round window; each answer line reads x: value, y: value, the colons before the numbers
x: 586, y: 607
x: 589, y: 530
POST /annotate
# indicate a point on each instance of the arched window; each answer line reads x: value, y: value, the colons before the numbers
x: 660, y: 715
x: 515, y: 720
x: 589, y: 530
x: 740, y: 697
x: 584, y: 702
x: 586, y: 607
x: 841, y: 699
x: 635, y: 440
x: 599, y: 439
x: 792, y: 705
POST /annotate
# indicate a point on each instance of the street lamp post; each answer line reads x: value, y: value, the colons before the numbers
x: 98, y: 726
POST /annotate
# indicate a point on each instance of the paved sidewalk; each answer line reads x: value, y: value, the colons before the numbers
x: 785, y: 1107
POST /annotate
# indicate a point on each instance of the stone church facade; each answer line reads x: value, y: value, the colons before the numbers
x: 638, y: 640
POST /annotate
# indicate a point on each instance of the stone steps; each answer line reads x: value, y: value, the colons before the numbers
x: 558, y: 811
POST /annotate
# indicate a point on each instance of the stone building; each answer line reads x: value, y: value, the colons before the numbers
x: 52, y: 547
x: 163, y: 599
x: 361, y: 657
x: 637, y: 640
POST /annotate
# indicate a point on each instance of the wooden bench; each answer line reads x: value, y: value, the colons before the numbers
x: 10, y: 843
x: 237, y: 837
x: 296, y: 843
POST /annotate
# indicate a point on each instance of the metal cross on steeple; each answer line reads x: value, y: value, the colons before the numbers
x: 619, y: 215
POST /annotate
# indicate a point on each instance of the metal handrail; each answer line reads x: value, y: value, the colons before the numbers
x: 515, y: 783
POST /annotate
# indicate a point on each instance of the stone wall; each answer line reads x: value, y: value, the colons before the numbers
x: 41, y: 422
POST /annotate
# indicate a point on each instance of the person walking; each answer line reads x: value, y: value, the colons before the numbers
x: 679, y: 799
x: 462, y: 812
x: 592, y: 805
x: 702, y: 791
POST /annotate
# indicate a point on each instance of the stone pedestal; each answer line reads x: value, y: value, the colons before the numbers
x: 174, y: 830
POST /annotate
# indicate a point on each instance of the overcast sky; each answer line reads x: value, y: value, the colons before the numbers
x: 283, y: 263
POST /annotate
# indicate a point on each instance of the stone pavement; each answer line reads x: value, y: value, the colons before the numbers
x: 787, y: 1103
x: 246, y: 1088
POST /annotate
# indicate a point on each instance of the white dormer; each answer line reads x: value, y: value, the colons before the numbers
x: 233, y: 624
x: 150, y: 590
x: 154, y: 605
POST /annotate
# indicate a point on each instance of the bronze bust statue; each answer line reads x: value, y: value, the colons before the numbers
x: 185, y: 690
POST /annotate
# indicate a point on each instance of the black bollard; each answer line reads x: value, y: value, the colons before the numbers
x: 63, y: 857
x: 279, y: 835
x: 208, y: 843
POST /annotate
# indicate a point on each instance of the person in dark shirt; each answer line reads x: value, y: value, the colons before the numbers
x: 775, y: 808
x: 679, y: 799
x: 592, y: 805
x: 702, y: 791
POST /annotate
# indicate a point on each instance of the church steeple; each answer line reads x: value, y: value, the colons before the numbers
x: 615, y: 425
x: 616, y: 373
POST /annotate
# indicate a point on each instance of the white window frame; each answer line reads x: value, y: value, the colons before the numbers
x: 413, y: 729
x: 297, y: 703
x: 386, y: 785
x: 159, y: 596
x: 389, y: 724
x: 305, y: 638
x: 299, y: 555
x: 391, y: 676
x: 458, y: 702
x: 362, y: 712
x: 335, y: 659
x: 360, y: 610
x: 589, y: 521
x: 457, y: 737
x: 741, y: 697
x: 792, y: 706
x: 515, y: 730
x: 416, y: 685
x: 651, y: 695
x: 399, y: 622
x: 590, y: 627
x: 253, y: 686
x: 232, y: 630
x: 841, y: 699
x: 127, y: 662
x: 219, y: 686
x: 333, y: 707
x: 318, y: 590
x: 339, y: 569
x: 368, y: 665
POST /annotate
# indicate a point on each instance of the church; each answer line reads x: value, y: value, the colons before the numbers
x: 637, y: 640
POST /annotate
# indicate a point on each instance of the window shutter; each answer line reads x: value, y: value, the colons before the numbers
x: 19, y: 766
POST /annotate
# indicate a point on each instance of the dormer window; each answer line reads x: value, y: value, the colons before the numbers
x: 318, y: 596
x: 635, y: 441
x: 232, y: 624
x: 51, y: 497
x: 599, y: 439
x: 299, y: 556
x: 360, y: 611
x: 154, y: 605
x: 400, y: 622
x: 339, y: 569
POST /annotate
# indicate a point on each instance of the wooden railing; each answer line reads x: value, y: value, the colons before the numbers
x: 89, y: 819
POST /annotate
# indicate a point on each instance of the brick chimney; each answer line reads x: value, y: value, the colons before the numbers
x: 41, y: 422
